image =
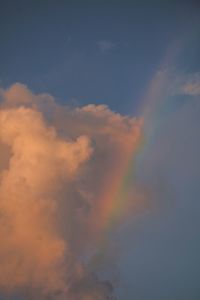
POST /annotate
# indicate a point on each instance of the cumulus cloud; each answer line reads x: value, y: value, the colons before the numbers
x: 56, y: 162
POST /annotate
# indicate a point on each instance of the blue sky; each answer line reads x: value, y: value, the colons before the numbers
x: 57, y: 47
x: 111, y: 52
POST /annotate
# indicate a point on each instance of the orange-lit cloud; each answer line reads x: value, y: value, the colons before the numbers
x: 58, y: 167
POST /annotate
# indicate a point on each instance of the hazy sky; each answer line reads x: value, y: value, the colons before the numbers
x: 138, y: 58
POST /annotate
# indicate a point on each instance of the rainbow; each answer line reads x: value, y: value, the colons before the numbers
x: 114, y: 197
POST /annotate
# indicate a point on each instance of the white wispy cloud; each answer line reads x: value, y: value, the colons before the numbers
x: 105, y: 45
x: 191, y: 86
x: 185, y: 84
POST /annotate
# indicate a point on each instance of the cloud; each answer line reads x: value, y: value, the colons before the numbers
x: 105, y: 45
x: 38, y: 165
x: 56, y: 162
x: 185, y: 84
x: 191, y: 86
